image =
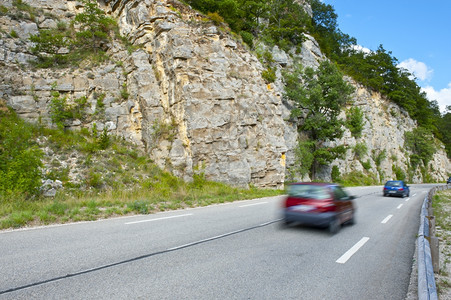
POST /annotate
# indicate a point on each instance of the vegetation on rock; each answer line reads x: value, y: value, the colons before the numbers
x: 286, y: 22
x: 87, y: 36
x: 319, y: 97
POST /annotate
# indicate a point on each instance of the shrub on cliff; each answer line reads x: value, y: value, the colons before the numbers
x: 421, y: 143
x: 86, y: 37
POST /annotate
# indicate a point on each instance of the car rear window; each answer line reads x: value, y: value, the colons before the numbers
x: 309, y: 191
x: 393, y: 183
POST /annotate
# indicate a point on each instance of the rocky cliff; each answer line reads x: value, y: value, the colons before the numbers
x: 191, y: 95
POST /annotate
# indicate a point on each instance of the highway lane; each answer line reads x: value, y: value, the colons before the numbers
x: 230, y: 251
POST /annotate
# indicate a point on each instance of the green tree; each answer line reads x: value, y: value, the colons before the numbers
x: 443, y: 126
x: 94, y: 26
x: 287, y: 21
x: 421, y: 143
x: 325, y: 29
x: 319, y: 95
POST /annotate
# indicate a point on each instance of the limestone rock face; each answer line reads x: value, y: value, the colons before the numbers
x: 189, y: 94
x: 201, y: 88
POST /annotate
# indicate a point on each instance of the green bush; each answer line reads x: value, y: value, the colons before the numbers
x: 354, y: 121
x: 3, y: 10
x: 94, y: 179
x: 59, y: 110
x: 13, y: 34
x: 357, y: 178
x: 139, y: 206
x: 379, y: 156
x: 269, y: 75
x: 87, y: 40
x: 248, y: 38
x: 103, y: 141
x: 399, y: 173
x: 335, y: 174
x: 20, y: 157
x: 360, y: 150
x: 216, y: 18
x: 421, y: 143
x: 366, y: 164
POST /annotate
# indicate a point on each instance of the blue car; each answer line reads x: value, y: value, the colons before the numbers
x: 396, y: 188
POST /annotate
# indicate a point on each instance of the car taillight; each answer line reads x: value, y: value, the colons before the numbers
x: 290, y: 202
x: 327, y: 207
x: 401, y: 189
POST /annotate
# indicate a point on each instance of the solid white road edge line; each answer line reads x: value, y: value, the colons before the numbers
x: 399, y: 206
x: 253, y: 204
x: 158, y: 219
x: 386, y: 219
x: 344, y: 258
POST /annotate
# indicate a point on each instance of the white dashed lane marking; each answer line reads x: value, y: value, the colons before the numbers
x: 345, y: 257
x: 386, y: 219
x: 253, y: 204
x: 158, y: 219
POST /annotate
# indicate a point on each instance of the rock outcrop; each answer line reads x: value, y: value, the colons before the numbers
x: 190, y: 95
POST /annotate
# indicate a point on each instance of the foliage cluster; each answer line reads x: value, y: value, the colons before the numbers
x: 354, y: 121
x: 20, y: 157
x: 61, y: 111
x: 3, y: 10
x: 360, y: 150
x: 356, y: 178
x: 421, y: 143
x: 399, y: 173
x: 87, y: 36
x: 318, y: 96
x: 20, y: 11
x: 284, y: 20
x: 164, y: 130
x: 378, y: 156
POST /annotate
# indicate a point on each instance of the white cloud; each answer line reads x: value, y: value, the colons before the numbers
x: 361, y: 49
x: 443, y: 97
x: 419, y: 69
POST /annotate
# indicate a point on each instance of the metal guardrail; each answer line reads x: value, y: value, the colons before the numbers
x: 427, y: 289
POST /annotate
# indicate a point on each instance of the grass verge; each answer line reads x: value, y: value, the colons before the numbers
x: 18, y: 212
x: 173, y: 194
x: 442, y: 210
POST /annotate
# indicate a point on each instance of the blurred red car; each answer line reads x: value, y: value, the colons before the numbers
x: 318, y: 204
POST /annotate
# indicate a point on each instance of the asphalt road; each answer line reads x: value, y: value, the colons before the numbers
x: 230, y: 251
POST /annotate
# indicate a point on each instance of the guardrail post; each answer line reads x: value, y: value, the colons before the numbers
x: 435, y: 253
x: 431, y: 222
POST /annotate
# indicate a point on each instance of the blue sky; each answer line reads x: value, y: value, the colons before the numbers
x: 418, y: 33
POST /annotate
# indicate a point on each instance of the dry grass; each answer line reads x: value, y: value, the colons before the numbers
x: 442, y: 212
